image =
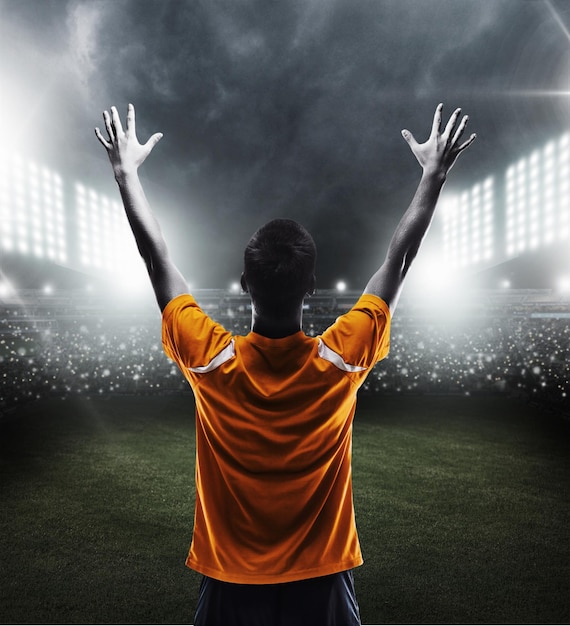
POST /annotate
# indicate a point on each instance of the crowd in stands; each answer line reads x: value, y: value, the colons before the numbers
x: 62, y: 352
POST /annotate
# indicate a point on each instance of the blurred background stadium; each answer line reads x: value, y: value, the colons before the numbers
x: 486, y: 308
x: 265, y: 117
x: 292, y: 109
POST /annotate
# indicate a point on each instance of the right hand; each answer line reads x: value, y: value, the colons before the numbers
x: 123, y: 148
x: 438, y: 154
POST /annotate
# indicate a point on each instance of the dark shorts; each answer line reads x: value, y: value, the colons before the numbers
x: 325, y: 601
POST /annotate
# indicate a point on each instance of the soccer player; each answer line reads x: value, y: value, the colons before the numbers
x: 274, y: 529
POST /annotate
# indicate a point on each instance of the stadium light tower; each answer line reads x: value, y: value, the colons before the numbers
x: 537, y: 198
x: 468, y: 225
x: 106, y: 245
x: 32, y: 213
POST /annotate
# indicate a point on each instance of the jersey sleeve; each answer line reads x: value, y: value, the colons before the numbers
x: 361, y: 336
x: 189, y: 336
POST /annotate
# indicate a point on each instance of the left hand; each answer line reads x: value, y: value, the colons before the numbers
x: 123, y: 148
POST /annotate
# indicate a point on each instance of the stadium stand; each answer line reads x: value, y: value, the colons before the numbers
x: 504, y: 342
x: 509, y: 228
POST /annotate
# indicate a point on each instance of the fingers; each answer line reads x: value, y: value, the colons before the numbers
x: 109, y: 125
x: 131, y: 119
x: 123, y: 148
x: 467, y: 143
x: 451, y: 124
x: 100, y: 137
x: 407, y: 135
x: 460, y: 130
x: 437, y: 119
x: 116, y: 122
x: 153, y: 141
x: 458, y: 133
x: 113, y: 125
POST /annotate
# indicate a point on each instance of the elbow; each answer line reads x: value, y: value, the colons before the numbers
x: 399, y: 263
x: 407, y: 263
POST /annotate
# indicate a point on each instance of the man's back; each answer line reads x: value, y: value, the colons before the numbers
x: 274, y: 433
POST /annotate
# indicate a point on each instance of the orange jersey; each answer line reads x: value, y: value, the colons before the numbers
x: 274, y: 441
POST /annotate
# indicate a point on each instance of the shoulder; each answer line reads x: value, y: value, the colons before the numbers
x: 368, y: 309
x: 183, y: 311
x: 178, y: 304
x: 189, y: 334
x: 372, y: 304
x: 362, y: 335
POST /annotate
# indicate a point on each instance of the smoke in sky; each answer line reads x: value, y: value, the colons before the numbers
x: 290, y: 108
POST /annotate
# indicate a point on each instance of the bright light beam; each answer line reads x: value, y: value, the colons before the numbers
x: 558, y: 19
x: 538, y: 93
x: 548, y: 93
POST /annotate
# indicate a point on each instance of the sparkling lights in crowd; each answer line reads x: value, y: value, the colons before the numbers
x: 66, y: 349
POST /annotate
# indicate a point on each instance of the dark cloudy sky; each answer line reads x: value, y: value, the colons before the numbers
x: 281, y: 108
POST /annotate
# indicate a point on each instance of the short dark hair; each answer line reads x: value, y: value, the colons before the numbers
x: 279, y: 266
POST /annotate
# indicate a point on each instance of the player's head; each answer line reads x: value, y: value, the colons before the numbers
x: 279, y: 267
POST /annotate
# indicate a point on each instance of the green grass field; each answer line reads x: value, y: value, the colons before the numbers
x: 462, y: 506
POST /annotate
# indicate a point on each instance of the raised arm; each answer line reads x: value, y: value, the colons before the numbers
x: 126, y: 155
x: 436, y: 157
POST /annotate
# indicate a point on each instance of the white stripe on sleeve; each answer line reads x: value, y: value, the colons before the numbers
x: 330, y: 355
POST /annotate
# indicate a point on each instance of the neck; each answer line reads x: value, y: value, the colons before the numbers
x: 276, y: 327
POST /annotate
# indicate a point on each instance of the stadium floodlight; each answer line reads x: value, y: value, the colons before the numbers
x: 106, y: 244
x: 468, y: 224
x: 100, y: 229
x: 341, y: 286
x: 235, y: 287
x: 488, y: 211
x: 563, y: 186
x: 529, y: 202
x: 516, y: 210
x: 448, y: 213
x: 533, y: 198
x: 31, y: 205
